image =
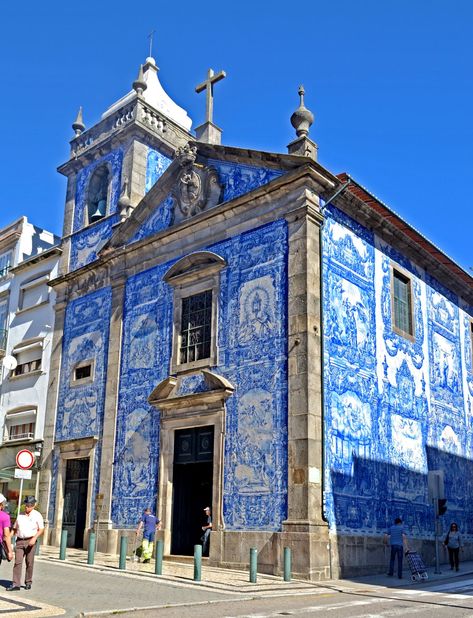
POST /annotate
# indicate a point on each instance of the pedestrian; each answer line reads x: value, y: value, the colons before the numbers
x: 5, y: 529
x: 28, y: 527
x: 454, y: 542
x: 206, y: 529
x: 150, y: 524
x: 397, y: 541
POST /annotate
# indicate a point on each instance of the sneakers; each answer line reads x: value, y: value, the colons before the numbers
x: 28, y: 586
x: 146, y: 560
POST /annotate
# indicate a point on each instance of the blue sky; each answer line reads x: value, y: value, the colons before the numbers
x: 390, y: 84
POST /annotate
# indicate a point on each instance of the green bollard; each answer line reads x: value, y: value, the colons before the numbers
x: 62, y: 549
x: 158, y: 567
x: 123, y: 549
x: 197, y: 563
x: 36, y: 548
x: 91, y: 548
x: 287, y: 564
x: 253, y: 564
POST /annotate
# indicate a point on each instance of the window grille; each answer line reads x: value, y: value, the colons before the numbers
x: 196, y: 324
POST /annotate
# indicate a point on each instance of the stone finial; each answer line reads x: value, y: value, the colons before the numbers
x: 78, y: 125
x: 139, y: 85
x: 302, y: 118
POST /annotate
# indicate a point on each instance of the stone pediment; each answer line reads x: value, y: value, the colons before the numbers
x: 187, y: 187
x: 201, y: 389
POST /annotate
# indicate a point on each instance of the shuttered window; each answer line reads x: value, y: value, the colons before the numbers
x: 402, y: 303
x: 34, y: 292
x: 28, y: 359
x: 20, y: 425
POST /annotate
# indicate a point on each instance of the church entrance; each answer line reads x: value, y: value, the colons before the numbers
x: 75, y: 501
x: 192, y: 486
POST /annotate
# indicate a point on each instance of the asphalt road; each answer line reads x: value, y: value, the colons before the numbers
x: 453, y: 599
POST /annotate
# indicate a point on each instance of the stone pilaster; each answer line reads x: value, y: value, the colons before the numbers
x: 49, y: 432
x: 110, y: 412
x: 134, y: 169
x: 68, y: 223
x: 305, y: 529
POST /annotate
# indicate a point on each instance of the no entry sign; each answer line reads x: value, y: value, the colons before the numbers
x: 25, y: 459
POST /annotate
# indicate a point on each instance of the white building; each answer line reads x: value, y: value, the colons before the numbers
x: 28, y: 260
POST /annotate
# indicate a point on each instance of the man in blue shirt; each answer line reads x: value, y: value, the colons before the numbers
x: 397, y: 539
x: 150, y: 524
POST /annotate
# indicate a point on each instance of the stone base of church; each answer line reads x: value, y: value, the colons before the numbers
x: 353, y: 556
x: 310, y: 553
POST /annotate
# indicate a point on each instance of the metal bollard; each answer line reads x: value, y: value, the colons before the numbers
x: 62, y: 548
x: 253, y: 564
x: 91, y: 548
x: 287, y: 564
x: 36, y: 548
x: 123, y: 549
x: 158, y: 567
x: 197, y: 563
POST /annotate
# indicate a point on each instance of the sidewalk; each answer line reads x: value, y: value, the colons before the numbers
x: 466, y: 568
x: 218, y: 579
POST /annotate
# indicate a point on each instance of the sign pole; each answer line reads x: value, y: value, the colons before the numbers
x: 20, y: 497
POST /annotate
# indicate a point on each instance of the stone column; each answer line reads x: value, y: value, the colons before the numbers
x: 49, y: 431
x: 305, y: 529
x: 107, y: 541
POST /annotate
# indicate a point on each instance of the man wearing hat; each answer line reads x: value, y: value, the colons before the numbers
x: 28, y: 527
x: 206, y: 529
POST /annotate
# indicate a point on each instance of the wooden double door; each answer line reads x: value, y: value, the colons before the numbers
x: 192, y: 486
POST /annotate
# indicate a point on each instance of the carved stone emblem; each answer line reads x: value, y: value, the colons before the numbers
x: 197, y: 186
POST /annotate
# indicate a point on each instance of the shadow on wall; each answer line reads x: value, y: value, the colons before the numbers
x: 365, y: 502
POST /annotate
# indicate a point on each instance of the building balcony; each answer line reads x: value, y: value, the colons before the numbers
x: 3, y: 342
x: 28, y: 435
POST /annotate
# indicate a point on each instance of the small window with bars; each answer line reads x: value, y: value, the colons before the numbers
x: 196, y: 327
x: 402, y: 303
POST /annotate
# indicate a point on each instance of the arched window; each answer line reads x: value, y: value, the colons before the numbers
x: 98, y: 194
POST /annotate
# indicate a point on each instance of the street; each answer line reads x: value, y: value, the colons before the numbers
x: 73, y: 590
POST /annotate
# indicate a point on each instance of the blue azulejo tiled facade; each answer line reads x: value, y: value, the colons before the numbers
x: 395, y: 407
x: 326, y: 419
x: 252, y: 354
x: 80, y: 411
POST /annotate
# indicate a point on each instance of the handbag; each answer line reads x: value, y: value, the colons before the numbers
x: 4, y: 552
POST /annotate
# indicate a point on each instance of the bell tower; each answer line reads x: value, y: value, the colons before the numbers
x: 116, y: 161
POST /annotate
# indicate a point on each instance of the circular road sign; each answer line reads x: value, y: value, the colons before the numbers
x: 25, y: 459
